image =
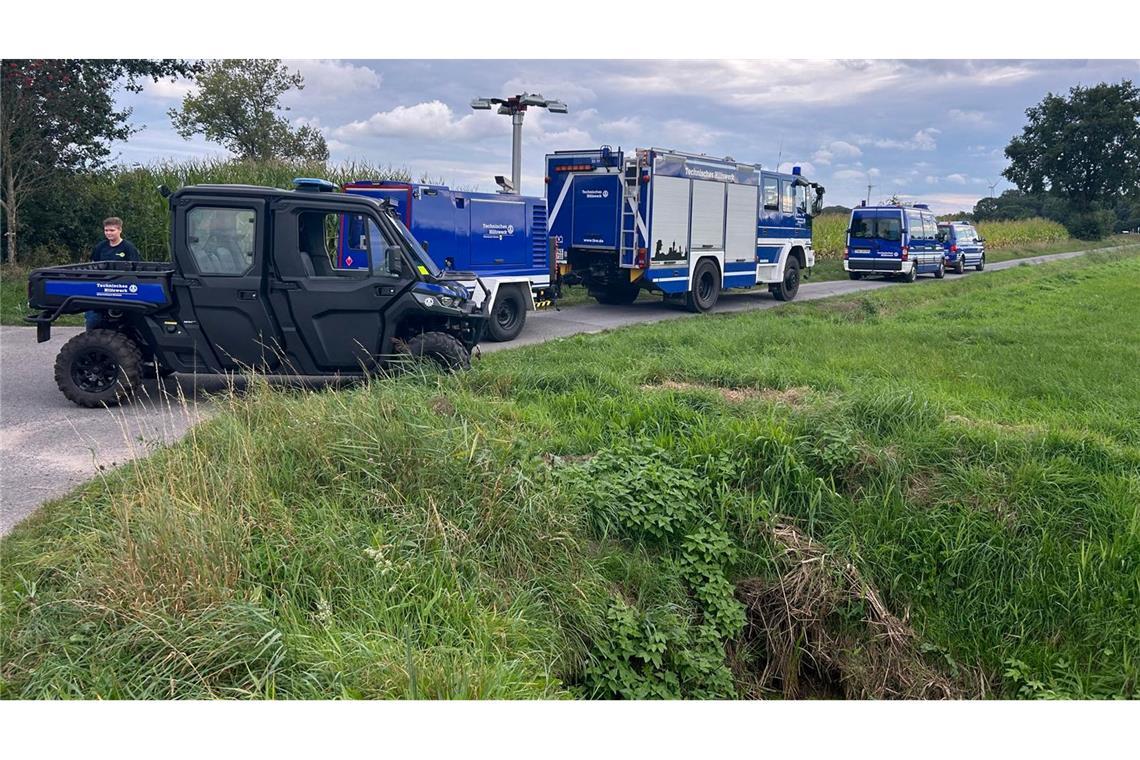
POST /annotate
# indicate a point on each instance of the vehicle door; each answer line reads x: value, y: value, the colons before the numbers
x: 219, y: 246
x: 332, y: 317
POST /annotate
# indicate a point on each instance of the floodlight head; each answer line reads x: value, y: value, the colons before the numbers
x: 531, y: 100
x: 505, y: 110
x: 556, y: 106
x: 506, y: 185
x: 481, y: 104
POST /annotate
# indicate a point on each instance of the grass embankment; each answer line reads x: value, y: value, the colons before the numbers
x: 14, y: 298
x: 921, y: 491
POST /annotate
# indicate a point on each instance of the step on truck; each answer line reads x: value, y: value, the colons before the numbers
x: 255, y: 286
x: 501, y: 237
x: 680, y: 224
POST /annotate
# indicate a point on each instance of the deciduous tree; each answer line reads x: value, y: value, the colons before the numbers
x: 58, y: 117
x: 238, y: 104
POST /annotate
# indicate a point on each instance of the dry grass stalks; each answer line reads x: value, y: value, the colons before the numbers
x: 807, y: 623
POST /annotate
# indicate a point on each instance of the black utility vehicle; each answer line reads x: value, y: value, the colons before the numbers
x: 254, y: 286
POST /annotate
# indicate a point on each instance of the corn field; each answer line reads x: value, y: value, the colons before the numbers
x: 829, y: 234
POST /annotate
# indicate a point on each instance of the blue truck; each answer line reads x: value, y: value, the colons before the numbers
x: 680, y: 224
x: 501, y: 237
x: 893, y: 241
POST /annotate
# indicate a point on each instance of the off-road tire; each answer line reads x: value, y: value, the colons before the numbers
x: 960, y: 265
x: 507, y: 316
x: 444, y: 350
x: 706, y: 287
x: 981, y: 264
x: 97, y: 368
x: 855, y: 275
x: 941, y: 271
x: 616, y: 294
x: 786, y: 288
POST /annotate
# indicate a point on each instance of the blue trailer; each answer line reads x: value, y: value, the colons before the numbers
x: 680, y: 224
x: 500, y: 237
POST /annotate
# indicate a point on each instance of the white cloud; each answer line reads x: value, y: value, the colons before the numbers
x: 923, y: 139
x: 690, y: 133
x: 165, y: 89
x: 822, y: 156
x: 628, y: 127
x: 327, y: 79
x: 844, y: 149
x: 873, y: 173
x: 849, y: 174
x: 956, y: 178
x: 931, y: 179
x: 807, y: 168
x: 430, y: 120
x: 976, y: 118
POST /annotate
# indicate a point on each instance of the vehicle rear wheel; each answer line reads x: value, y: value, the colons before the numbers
x: 941, y: 271
x: 706, y: 287
x: 786, y: 289
x: 960, y: 265
x: 855, y: 275
x: 981, y: 264
x: 97, y: 368
x: 508, y: 315
x: 443, y: 349
x: 910, y: 276
x: 616, y: 294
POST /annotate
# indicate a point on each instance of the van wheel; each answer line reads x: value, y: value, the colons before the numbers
x: 98, y: 368
x: 855, y: 275
x: 960, y: 265
x: 786, y: 289
x: 941, y: 271
x: 706, y: 287
x: 443, y: 349
x: 981, y: 264
x: 616, y: 294
x: 910, y: 276
x: 508, y: 315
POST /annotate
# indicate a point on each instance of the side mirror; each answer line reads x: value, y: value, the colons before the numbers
x: 395, y: 260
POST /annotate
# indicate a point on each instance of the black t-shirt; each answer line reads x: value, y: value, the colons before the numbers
x: 124, y: 251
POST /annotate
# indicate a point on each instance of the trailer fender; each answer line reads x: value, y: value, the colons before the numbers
x: 494, y: 283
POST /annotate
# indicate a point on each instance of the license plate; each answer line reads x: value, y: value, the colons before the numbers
x: 862, y: 250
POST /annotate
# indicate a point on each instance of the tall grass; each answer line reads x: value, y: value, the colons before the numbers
x: 509, y: 533
x: 829, y: 234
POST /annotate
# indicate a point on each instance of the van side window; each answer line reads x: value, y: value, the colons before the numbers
x: 787, y: 197
x: 914, y: 225
x: 801, y: 200
x: 931, y: 225
x: 771, y: 194
x: 221, y: 239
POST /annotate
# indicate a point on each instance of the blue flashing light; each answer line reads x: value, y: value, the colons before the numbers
x: 314, y: 185
x: 796, y: 170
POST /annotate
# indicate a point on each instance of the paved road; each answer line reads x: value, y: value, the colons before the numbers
x: 48, y: 445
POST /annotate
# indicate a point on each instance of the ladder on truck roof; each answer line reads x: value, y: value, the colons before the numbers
x: 630, y: 196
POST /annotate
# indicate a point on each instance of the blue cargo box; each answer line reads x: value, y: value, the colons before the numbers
x: 490, y: 234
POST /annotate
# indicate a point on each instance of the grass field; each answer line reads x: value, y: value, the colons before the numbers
x: 924, y: 491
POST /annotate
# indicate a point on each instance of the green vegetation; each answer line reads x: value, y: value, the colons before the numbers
x: 14, y: 298
x: 915, y: 492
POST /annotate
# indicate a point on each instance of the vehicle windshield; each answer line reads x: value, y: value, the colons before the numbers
x: 874, y: 226
x: 422, y: 257
x: 964, y: 234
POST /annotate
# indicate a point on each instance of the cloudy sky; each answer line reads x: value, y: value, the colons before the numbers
x: 929, y: 131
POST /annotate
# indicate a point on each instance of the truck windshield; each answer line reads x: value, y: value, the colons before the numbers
x: 873, y: 226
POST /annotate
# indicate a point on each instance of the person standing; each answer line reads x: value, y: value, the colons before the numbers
x: 113, y: 248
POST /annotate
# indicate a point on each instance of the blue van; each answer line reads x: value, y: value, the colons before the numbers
x: 962, y: 246
x: 893, y: 241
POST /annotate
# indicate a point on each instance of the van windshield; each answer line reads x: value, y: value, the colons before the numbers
x: 873, y: 226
